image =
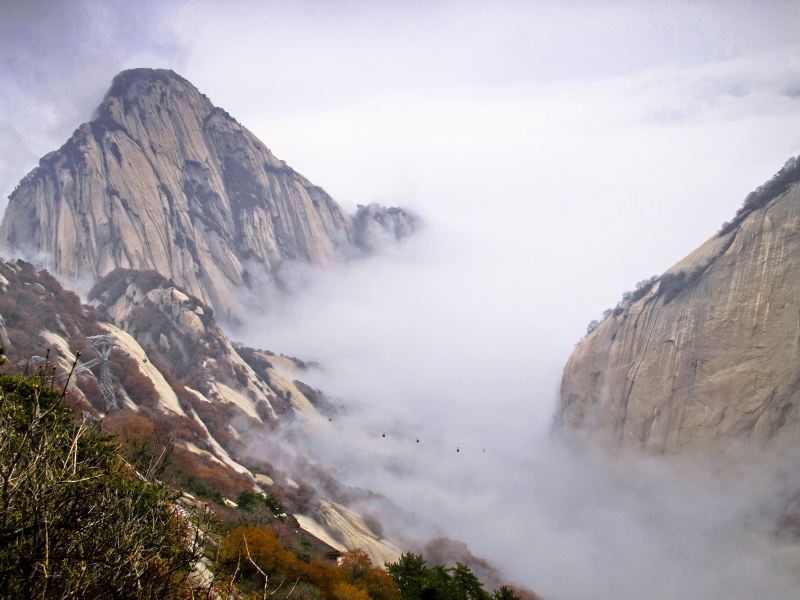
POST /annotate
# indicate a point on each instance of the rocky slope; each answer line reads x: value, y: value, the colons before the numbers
x: 169, y: 207
x: 163, y: 180
x: 177, y: 376
x: 708, y: 351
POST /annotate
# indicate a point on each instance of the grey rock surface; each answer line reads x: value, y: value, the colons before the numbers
x: 710, y: 351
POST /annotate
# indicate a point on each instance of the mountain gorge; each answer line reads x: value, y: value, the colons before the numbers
x: 166, y: 211
x: 169, y: 209
x: 169, y: 215
x: 161, y: 179
x: 707, y: 352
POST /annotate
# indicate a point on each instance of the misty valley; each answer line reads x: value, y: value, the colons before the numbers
x: 217, y: 381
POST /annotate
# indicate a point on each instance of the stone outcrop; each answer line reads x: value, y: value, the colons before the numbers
x: 163, y: 180
x: 708, y: 351
x: 180, y: 333
x: 375, y: 224
x: 333, y: 521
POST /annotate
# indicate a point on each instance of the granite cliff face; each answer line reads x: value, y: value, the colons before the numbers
x: 708, y: 351
x: 163, y: 180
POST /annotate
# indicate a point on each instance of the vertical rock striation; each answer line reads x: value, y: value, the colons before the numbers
x: 711, y: 350
x: 163, y: 180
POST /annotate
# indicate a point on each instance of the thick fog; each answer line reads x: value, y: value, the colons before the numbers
x: 556, y: 154
x: 446, y: 361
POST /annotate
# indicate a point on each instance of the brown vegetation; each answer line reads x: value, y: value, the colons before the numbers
x: 75, y: 520
x: 257, y: 558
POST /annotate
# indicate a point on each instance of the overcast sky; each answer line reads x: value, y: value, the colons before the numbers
x: 618, y: 134
x: 558, y: 152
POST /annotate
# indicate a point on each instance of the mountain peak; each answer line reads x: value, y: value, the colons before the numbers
x: 139, y: 79
x: 149, y: 93
x: 163, y: 180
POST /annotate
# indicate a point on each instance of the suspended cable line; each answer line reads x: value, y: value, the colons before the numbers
x: 411, y: 461
x: 419, y: 417
x: 372, y: 429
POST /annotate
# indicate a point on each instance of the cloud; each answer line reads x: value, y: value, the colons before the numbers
x: 58, y: 60
x: 565, y: 523
x: 441, y: 340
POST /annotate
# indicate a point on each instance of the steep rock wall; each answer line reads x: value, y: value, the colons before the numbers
x: 710, y: 352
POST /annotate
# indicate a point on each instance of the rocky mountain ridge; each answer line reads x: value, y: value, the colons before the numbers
x: 709, y: 350
x: 185, y: 382
x: 161, y: 179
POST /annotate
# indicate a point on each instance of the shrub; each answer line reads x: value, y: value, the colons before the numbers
x: 125, y: 371
x: 147, y: 451
x: 203, y: 475
x: 75, y: 521
x: 673, y: 284
x: 778, y: 184
x: 356, y: 568
x: 346, y: 591
x: 640, y: 291
x: 251, y: 501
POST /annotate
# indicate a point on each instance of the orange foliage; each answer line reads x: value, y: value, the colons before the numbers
x: 354, y: 578
x: 128, y: 426
x: 259, y: 545
x: 381, y: 586
x: 321, y: 574
x: 347, y: 591
x: 357, y: 569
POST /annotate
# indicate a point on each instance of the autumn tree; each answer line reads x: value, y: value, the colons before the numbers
x: 356, y: 568
x: 256, y: 550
